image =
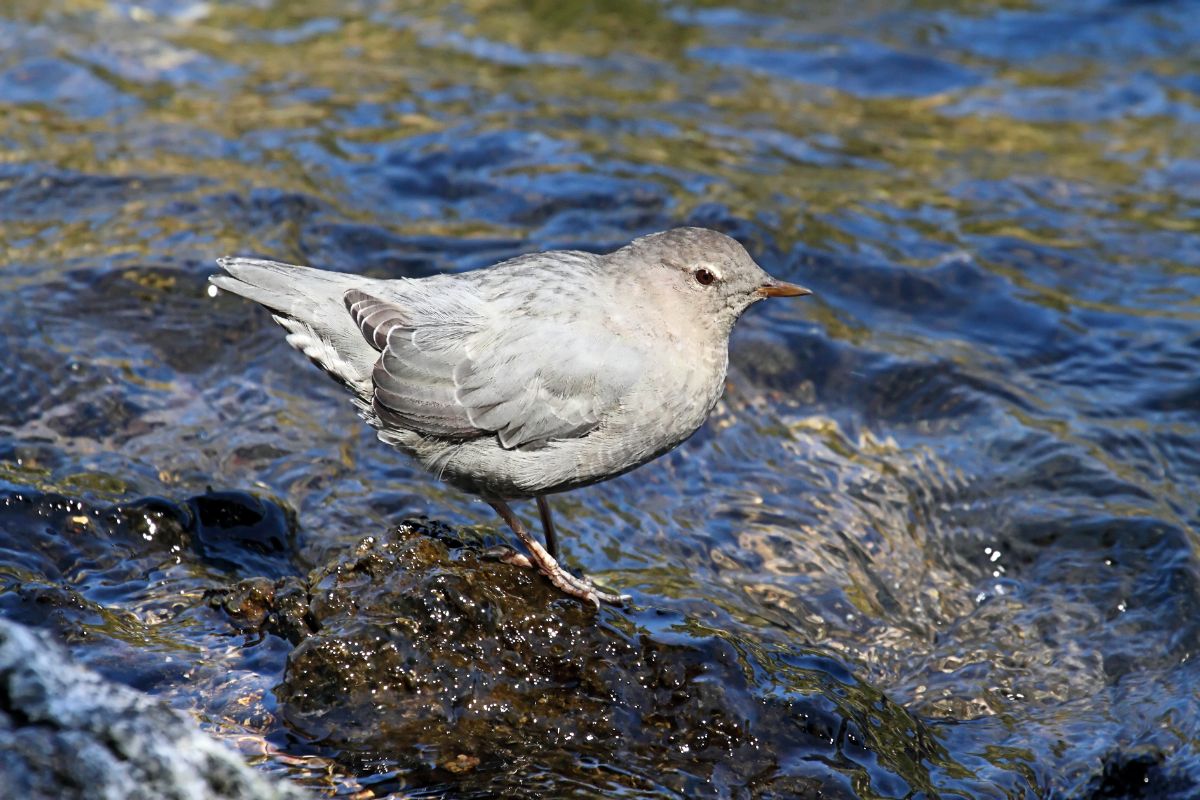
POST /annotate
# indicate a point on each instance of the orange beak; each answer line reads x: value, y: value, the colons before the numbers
x: 781, y: 289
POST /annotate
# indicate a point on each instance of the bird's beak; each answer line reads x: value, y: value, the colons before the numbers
x: 781, y: 289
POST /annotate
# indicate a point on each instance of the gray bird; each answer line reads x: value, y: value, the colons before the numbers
x: 537, y: 375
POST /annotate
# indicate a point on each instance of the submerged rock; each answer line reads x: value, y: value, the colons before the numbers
x: 66, y: 732
x: 418, y: 658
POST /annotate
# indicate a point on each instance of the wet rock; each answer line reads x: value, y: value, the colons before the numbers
x: 1141, y: 773
x: 117, y: 583
x: 242, y: 533
x: 259, y: 605
x: 66, y: 733
x: 418, y: 656
x: 81, y: 561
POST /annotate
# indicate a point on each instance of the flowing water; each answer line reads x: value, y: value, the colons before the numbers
x: 940, y: 538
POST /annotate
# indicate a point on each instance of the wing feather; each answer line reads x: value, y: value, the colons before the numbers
x: 464, y: 375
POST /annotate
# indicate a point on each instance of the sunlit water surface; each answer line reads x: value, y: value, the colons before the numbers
x: 963, y: 477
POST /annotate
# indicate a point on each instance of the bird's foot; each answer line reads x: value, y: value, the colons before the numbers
x: 506, y: 555
x: 581, y: 587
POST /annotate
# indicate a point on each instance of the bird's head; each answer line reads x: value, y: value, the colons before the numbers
x: 702, y: 272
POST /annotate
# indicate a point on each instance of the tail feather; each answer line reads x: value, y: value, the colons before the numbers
x: 286, y: 288
x: 308, y: 304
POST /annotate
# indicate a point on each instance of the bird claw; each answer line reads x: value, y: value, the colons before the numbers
x: 507, y: 555
x: 613, y: 598
x: 583, y: 587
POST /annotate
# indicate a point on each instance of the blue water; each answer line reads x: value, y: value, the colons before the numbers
x: 959, y: 484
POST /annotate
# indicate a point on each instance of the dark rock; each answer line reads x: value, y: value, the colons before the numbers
x: 1141, y: 773
x: 82, y: 562
x: 67, y: 733
x: 243, y: 533
x: 259, y: 605
x: 417, y: 656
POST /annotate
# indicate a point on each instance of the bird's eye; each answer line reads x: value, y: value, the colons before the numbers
x: 704, y: 277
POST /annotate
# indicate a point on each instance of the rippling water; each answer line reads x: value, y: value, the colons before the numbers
x: 956, y: 493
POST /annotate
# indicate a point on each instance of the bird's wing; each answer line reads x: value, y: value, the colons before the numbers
x: 460, y: 373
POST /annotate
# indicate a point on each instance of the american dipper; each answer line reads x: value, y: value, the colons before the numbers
x: 540, y: 374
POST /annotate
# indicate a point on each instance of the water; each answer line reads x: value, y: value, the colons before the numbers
x: 940, y: 537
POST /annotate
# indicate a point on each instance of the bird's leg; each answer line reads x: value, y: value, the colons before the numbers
x: 582, y: 588
x: 548, y: 526
x: 507, y: 555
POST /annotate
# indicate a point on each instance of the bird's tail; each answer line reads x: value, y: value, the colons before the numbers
x: 308, y: 303
x: 287, y: 289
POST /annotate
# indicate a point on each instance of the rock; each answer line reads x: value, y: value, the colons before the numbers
x: 260, y: 605
x: 415, y: 655
x: 242, y: 533
x: 1139, y: 773
x: 66, y: 733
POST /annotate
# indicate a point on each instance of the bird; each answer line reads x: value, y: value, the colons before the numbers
x: 537, y: 375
